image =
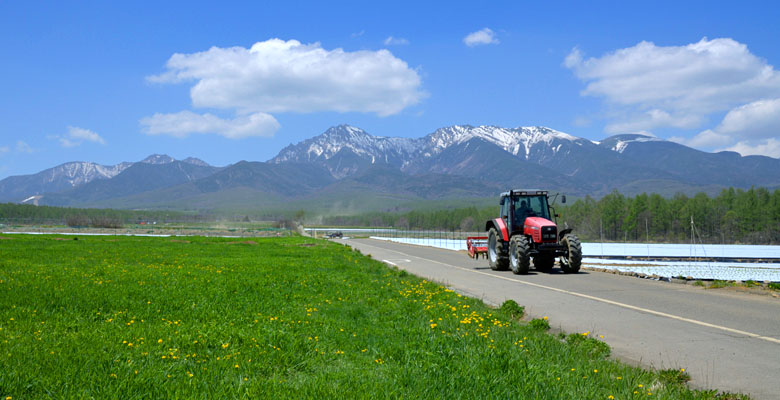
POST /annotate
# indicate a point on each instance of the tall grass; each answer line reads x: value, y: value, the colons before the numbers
x: 129, y: 318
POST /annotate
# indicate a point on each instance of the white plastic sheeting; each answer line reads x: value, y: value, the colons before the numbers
x: 733, y: 271
x: 449, y: 244
x: 680, y: 250
x: 727, y: 271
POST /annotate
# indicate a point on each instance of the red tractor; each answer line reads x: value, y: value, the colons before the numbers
x: 525, y: 230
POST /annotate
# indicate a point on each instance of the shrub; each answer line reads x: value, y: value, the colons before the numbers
x: 674, y: 376
x: 592, y: 347
x: 106, y: 222
x: 717, y: 284
x: 540, y: 324
x: 513, y: 309
x: 76, y: 221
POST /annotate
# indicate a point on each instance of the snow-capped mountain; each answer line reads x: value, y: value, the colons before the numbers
x: 341, y: 137
x: 525, y: 142
x: 348, y: 166
x: 61, y: 177
x: 630, y: 160
x: 158, y: 159
x: 345, y: 149
x: 71, y: 175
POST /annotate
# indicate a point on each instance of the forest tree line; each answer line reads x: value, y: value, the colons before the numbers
x: 11, y: 213
x: 734, y: 216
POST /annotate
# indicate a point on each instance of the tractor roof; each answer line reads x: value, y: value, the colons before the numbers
x: 526, y: 192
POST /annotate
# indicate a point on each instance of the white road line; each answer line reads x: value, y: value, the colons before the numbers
x: 599, y: 299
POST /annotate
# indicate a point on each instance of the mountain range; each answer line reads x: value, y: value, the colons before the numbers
x: 347, y: 169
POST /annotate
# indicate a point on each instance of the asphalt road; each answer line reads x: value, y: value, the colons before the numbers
x: 724, y: 340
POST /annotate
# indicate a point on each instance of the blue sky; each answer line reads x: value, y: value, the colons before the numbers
x: 98, y: 81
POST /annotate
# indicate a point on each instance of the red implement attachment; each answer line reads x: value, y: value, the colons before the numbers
x: 477, y: 245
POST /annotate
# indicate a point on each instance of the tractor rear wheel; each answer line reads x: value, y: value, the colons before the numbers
x: 496, y: 251
x: 519, y: 260
x: 544, y: 263
x: 572, y: 260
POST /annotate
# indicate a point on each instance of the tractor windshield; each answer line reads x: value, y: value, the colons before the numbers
x: 530, y: 206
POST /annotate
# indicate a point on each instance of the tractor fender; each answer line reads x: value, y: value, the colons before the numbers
x: 500, y: 226
x: 564, y: 232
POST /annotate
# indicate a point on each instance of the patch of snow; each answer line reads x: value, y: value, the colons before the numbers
x: 620, y: 146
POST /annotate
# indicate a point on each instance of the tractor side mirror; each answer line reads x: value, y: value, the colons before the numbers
x: 563, y: 199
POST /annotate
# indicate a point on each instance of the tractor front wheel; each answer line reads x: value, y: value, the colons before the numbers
x: 496, y: 251
x: 519, y: 260
x: 572, y: 260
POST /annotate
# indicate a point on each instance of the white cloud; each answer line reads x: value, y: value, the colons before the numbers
x: 184, y: 123
x: 682, y: 87
x: 688, y: 83
x: 287, y: 76
x: 652, y: 119
x: 23, y: 147
x: 4, y: 149
x: 753, y: 126
x: 759, y: 119
x: 393, y: 41
x: 767, y: 147
x: 76, y: 136
x: 707, y: 139
x: 480, y: 37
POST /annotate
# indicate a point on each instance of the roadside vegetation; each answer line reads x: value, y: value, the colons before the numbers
x: 140, y: 317
x: 735, y: 216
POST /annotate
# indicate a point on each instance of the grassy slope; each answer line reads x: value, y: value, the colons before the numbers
x: 119, y: 317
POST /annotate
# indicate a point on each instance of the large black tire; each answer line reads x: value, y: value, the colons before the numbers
x: 497, y: 254
x: 571, y: 262
x: 519, y: 260
x: 544, y: 263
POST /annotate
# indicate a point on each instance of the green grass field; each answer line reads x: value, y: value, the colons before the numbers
x: 146, y: 318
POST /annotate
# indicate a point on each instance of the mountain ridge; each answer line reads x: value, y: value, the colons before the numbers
x: 345, y: 162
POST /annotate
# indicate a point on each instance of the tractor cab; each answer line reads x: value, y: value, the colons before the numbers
x: 517, y: 207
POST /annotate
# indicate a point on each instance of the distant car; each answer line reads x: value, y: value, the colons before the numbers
x: 334, y: 235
